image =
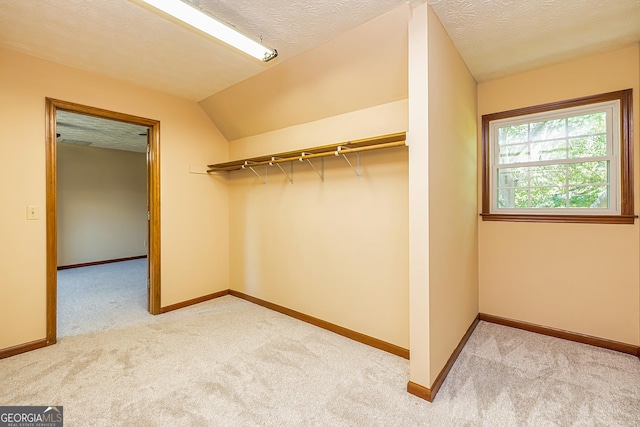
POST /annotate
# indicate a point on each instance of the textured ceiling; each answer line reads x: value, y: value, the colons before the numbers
x: 125, y: 40
x: 101, y: 133
x: 501, y: 37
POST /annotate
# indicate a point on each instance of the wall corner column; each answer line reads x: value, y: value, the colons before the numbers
x: 418, y: 142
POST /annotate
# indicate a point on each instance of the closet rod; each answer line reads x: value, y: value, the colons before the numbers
x: 315, y: 155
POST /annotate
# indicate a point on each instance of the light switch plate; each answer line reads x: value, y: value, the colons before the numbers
x: 32, y: 212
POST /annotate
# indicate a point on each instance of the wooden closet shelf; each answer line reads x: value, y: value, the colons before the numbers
x: 377, y: 143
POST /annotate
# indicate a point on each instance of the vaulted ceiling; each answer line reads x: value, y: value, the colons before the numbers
x: 125, y: 40
x: 501, y: 37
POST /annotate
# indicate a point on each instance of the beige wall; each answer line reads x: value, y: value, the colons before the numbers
x: 338, y: 249
x: 418, y: 141
x: 453, y: 235
x: 194, y: 207
x: 378, y: 120
x: 582, y: 278
x: 102, y: 204
x: 442, y: 206
x: 362, y: 68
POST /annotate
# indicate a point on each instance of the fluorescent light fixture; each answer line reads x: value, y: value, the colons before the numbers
x: 194, y: 17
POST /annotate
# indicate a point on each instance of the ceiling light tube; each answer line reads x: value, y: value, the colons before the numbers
x: 196, y: 18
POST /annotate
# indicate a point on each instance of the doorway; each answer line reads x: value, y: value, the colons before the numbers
x: 54, y: 106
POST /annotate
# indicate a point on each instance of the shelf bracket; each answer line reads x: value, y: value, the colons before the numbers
x: 321, y: 172
x: 355, y: 169
x: 289, y: 175
x: 248, y: 165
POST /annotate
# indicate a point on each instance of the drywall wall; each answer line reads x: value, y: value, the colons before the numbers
x: 336, y: 250
x: 442, y: 206
x: 418, y: 141
x: 378, y: 120
x: 361, y: 68
x: 194, y: 209
x: 582, y: 278
x: 453, y: 236
x: 102, y: 204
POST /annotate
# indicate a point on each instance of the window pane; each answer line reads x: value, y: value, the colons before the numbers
x: 548, y: 129
x: 521, y: 198
x: 549, y: 150
x: 534, y: 176
x: 590, y: 196
x: 545, y: 186
x: 588, y: 146
x: 513, y: 177
x: 588, y: 124
x: 505, y: 198
x: 559, y: 159
x: 513, y: 134
x: 589, y: 173
x: 514, y: 154
x: 550, y: 197
x: 548, y: 176
x: 513, y: 198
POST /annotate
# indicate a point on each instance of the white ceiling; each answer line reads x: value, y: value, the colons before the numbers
x: 100, y: 133
x: 124, y: 40
x: 501, y: 37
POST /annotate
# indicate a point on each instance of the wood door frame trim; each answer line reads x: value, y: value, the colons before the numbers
x: 153, y: 200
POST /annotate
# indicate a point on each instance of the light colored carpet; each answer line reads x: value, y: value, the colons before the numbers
x: 228, y: 362
x: 101, y: 297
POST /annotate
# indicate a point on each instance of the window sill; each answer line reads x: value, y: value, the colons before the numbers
x: 579, y: 219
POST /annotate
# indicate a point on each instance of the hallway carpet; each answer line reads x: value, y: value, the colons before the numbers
x: 102, y: 297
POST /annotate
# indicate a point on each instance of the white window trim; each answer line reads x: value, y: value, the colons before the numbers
x: 613, y: 148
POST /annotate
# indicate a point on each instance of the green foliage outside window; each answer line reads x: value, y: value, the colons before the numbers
x: 571, y: 174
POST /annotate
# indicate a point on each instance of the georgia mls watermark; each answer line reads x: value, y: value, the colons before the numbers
x: 31, y: 416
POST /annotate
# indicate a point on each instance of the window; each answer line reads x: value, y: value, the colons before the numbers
x: 569, y: 161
